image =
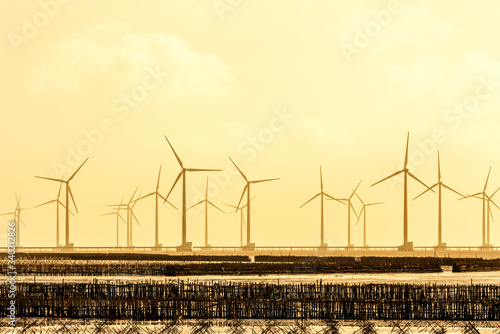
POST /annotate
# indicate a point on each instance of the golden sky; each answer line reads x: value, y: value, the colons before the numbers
x: 280, y: 86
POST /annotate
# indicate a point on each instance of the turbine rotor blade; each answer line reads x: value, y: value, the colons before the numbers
x: 352, y: 208
x: 72, y: 198
x: 167, y: 201
x: 456, y: 192
x: 158, y: 182
x: 215, y: 206
x: 360, y: 213
x: 487, y: 178
x: 336, y: 199
x: 243, y: 194
x: 371, y: 204
x: 173, y: 185
x: 135, y: 201
x: 310, y: 200
x: 176, y: 156
x: 407, y: 144
x: 72, y: 176
x: 8, y: 213
x: 239, y: 170
x: 495, y: 192
x: 142, y: 197
x: 495, y: 204
x: 132, y: 198
x: 192, y: 206
x: 54, y: 200
x: 203, y: 170
x: 321, y: 178
x: 426, y: 190
x: 265, y: 180
x: 469, y: 196
x: 59, y: 192
x: 439, y: 168
x: 135, y: 217
x: 359, y: 199
x: 416, y: 179
x: 399, y: 172
x: 255, y: 213
x: 206, y: 190
x: 49, y: 178
x: 354, y: 191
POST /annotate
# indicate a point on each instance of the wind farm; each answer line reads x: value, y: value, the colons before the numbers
x: 124, y: 213
x: 250, y: 167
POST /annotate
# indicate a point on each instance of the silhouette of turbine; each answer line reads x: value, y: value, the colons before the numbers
x: 157, y: 197
x: 486, y: 206
x: 440, y: 186
x: 246, y: 189
x: 207, y: 202
x: 322, y: 195
x: 406, y: 245
x: 68, y: 194
x: 185, y: 246
x: 58, y: 203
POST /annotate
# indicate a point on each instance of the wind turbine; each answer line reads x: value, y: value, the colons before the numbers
x: 406, y: 245
x: 322, y: 195
x: 118, y: 217
x: 58, y: 203
x: 157, y: 197
x: 207, y: 202
x: 185, y: 246
x: 129, y: 207
x: 440, y: 186
x: 489, y: 200
x: 486, y: 202
x: 242, y: 217
x: 349, y: 208
x: 363, y: 212
x: 17, y: 219
x: 249, y: 246
x: 68, y: 194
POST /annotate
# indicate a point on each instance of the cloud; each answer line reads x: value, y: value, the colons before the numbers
x: 426, y: 79
x: 324, y: 131
x: 115, y: 56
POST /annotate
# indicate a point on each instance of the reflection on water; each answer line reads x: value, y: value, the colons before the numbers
x: 492, y: 277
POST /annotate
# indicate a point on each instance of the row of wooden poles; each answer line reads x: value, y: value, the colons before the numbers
x: 234, y: 326
x: 189, y: 300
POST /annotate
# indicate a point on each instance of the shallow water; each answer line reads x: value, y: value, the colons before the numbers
x: 492, y: 277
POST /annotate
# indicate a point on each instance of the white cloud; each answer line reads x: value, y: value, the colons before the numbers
x: 323, y: 131
x: 114, y: 55
x: 428, y: 79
